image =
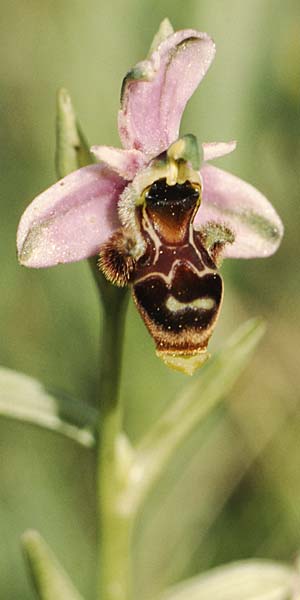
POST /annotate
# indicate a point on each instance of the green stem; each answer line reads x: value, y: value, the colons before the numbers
x: 114, y: 522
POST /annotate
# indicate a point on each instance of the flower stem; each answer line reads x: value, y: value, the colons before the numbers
x: 114, y: 525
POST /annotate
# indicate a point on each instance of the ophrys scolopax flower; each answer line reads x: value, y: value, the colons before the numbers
x: 159, y: 216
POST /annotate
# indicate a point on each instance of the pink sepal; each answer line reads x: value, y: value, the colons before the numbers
x: 229, y: 201
x: 70, y: 220
x: 155, y: 91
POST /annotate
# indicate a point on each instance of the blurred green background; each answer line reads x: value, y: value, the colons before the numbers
x: 235, y: 492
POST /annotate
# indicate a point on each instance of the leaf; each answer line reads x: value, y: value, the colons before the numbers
x: 49, y: 578
x: 192, y: 406
x: 25, y: 399
x: 72, y: 151
x: 244, y: 580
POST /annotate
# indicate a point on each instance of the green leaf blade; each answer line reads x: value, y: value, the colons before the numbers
x: 192, y: 406
x: 72, y: 151
x: 24, y: 399
x: 244, y: 580
x: 49, y: 578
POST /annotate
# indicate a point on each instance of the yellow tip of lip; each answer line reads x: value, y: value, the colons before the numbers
x: 186, y: 364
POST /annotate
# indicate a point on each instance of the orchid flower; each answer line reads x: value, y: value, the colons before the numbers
x: 160, y: 217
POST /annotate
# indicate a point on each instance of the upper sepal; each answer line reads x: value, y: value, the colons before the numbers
x: 237, y: 205
x: 155, y: 91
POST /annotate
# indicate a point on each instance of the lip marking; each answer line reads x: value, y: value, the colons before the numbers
x: 174, y: 305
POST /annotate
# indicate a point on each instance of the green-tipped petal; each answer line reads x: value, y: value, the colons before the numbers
x: 164, y: 31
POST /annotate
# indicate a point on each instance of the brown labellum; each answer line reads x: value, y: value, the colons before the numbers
x: 176, y: 285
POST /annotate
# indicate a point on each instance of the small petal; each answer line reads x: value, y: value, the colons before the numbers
x: 236, y: 204
x: 213, y: 150
x: 125, y: 162
x: 155, y: 92
x: 70, y: 220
